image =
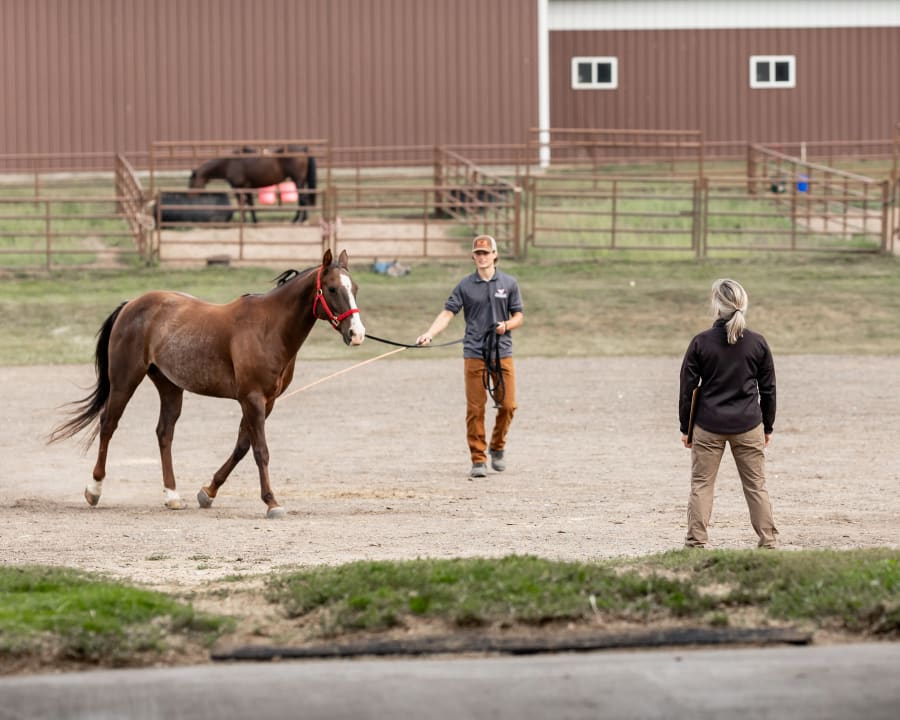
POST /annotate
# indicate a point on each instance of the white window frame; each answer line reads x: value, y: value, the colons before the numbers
x: 791, y: 60
x: 594, y: 85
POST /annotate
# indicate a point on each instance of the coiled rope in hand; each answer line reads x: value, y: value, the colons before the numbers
x: 492, y: 376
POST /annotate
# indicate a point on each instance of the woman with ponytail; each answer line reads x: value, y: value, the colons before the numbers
x: 735, y: 404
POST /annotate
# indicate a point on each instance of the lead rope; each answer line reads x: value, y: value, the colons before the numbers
x: 341, y: 372
x: 369, y: 336
x: 490, y: 353
x: 401, y: 347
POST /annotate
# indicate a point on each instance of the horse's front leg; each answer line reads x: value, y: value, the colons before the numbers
x: 251, y: 206
x: 207, y: 494
x: 255, y: 412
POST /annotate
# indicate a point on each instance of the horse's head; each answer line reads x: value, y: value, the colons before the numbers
x: 336, y: 298
x: 197, y: 180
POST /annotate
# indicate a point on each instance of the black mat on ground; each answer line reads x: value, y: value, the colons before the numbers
x: 524, y: 646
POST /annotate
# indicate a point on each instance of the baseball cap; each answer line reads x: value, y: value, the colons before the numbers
x: 484, y: 242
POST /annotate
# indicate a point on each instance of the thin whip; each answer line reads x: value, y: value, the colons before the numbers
x: 341, y: 372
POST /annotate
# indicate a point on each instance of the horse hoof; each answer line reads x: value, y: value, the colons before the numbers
x: 92, y: 499
x: 204, y: 500
x: 176, y: 504
x: 273, y: 513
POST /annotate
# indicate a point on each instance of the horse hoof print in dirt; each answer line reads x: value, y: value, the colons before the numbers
x: 182, y: 343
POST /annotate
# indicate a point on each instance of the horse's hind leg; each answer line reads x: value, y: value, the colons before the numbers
x: 170, y: 401
x: 121, y: 390
x: 301, y: 215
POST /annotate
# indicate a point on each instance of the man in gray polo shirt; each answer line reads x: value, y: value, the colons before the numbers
x: 492, y: 306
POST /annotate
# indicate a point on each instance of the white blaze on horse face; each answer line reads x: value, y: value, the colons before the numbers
x: 356, y: 327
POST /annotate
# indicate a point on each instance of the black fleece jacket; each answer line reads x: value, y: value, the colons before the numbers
x: 737, y: 392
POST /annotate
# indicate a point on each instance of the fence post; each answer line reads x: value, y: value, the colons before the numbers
x: 704, y: 216
x: 793, y: 211
x: 695, y: 219
x: 894, y: 203
x: 331, y: 240
x: 751, y: 170
x: 47, y: 230
x: 613, y: 213
x: 438, y: 182
x: 240, y: 199
x: 530, y: 235
x: 517, y: 222
x: 886, y: 212
x: 157, y: 250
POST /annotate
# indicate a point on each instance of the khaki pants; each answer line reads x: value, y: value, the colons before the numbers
x: 748, y: 450
x: 476, y: 402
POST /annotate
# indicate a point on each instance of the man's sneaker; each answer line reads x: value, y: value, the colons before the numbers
x: 479, y: 470
x: 497, y: 461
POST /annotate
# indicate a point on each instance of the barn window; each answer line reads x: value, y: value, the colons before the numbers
x: 773, y: 71
x: 595, y: 73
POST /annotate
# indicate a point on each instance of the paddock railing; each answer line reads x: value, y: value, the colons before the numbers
x: 51, y: 219
x: 704, y: 215
x: 596, y: 150
x: 602, y: 191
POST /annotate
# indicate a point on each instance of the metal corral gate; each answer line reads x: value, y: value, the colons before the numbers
x: 614, y: 190
x: 428, y: 205
x: 598, y: 196
x: 595, y: 195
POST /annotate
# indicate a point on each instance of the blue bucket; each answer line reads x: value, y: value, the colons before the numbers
x: 803, y: 183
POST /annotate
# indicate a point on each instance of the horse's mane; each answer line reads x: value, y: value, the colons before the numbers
x: 289, y: 275
x: 286, y: 277
x: 283, y: 149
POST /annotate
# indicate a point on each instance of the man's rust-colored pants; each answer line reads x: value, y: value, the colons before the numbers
x: 748, y: 450
x: 476, y: 402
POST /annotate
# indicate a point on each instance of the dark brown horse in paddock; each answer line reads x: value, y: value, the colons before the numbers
x: 244, y: 350
x: 248, y: 168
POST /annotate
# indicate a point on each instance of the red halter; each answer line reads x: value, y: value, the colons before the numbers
x: 320, y: 297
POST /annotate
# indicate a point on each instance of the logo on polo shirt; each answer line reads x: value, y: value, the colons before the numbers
x: 501, y: 292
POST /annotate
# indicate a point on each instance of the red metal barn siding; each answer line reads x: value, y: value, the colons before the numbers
x: 699, y: 79
x: 115, y: 75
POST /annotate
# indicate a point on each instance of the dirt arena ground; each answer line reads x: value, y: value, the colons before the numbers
x: 374, y: 465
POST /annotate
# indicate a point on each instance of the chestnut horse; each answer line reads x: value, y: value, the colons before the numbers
x: 248, y: 168
x: 244, y: 350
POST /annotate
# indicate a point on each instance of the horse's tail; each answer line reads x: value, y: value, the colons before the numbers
x: 311, y: 180
x: 87, y: 410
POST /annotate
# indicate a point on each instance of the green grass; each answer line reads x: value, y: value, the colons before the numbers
x: 853, y: 591
x: 603, y: 307
x: 856, y: 590
x: 86, y: 618
x: 50, y: 615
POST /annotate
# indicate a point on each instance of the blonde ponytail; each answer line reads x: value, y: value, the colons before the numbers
x: 729, y: 303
